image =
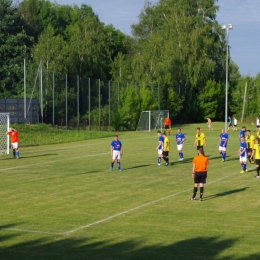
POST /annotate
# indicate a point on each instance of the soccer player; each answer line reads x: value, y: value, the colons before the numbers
x: 257, y: 122
x: 235, y: 124
x: 167, y: 125
x: 180, y: 138
x: 256, y: 153
x: 200, y: 139
x: 242, y: 132
x: 166, y: 148
x: 199, y: 173
x: 159, y: 147
x: 116, y: 151
x: 13, y: 133
x: 229, y: 122
x: 242, y: 154
x: 222, y: 144
x: 209, y: 124
x: 250, y: 139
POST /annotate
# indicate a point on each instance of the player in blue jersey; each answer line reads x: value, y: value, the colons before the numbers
x: 242, y: 154
x: 242, y: 132
x: 116, y: 153
x: 229, y: 122
x: 180, y: 138
x: 159, y: 147
x: 222, y: 144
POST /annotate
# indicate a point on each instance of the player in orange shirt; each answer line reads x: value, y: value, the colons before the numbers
x: 199, y: 173
x: 167, y: 125
x: 13, y: 133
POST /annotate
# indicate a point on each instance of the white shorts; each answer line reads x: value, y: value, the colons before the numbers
x: 160, y: 151
x: 14, y: 145
x: 222, y: 148
x: 179, y: 147
x: 116, y: 155
x: 242, y: 159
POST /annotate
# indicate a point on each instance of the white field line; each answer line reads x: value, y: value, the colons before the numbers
x: 139, y: 207
x: 113, y: 216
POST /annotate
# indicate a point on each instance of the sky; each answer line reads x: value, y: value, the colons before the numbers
x: 244, y: 15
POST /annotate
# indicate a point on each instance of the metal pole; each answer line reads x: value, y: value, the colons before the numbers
x: 66, y: 101
x: 226, y: 103
x: 99, y: 104
x: 78, y: 100
x: 25, y: 91
x: 53, y: 111
x: 41, y: 92
x: 109, y: 104
x: 89, y: 103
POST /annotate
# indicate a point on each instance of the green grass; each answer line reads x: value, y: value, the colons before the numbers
x: 62, y: 202
x: 42, y: 134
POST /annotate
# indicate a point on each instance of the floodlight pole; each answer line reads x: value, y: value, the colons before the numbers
x: 227, y: 28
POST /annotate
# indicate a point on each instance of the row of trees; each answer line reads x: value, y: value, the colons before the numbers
x: 177, y: 45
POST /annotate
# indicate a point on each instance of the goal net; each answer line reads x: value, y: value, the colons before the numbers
x: 4, y: 138
x: 151, y: 120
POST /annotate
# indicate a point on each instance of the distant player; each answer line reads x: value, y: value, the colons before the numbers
x: 242, y: 154
x: 229, y: 122
x: 180, y: 138
x: 222, y: 144
x: 257, y: 122
x: 200, y: 139
x: 209, y: 124
x: 159, y: 147
x: 256, y: 155
x: 242, y: 132
x: 166, y: 148
x: 167, y: 125
x: 235, y: 124
x: 13, y: 133
x: 116, y: 151
x: 199, y: 173
x: 250, y: 141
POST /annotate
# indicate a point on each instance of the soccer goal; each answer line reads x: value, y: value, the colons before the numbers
x: 4, y: 138
x: 152, y: 120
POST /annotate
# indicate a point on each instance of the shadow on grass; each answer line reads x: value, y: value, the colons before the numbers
x: 79, y: 248
x: 137, y: 166
x: 226, y: 193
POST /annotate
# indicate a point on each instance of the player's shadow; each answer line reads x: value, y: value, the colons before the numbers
x: 226, y: 193
x: 138, y: 166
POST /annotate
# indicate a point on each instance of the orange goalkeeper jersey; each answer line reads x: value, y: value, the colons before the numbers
x: 13, y: 136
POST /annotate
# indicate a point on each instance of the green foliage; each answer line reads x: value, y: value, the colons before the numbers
x: 14, y: 48
x: 209, y: 100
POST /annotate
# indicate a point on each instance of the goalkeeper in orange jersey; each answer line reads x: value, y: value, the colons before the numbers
x: 13, y: 133
x: 167, y: 125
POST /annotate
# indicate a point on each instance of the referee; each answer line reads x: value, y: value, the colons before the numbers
x: 199, y: 173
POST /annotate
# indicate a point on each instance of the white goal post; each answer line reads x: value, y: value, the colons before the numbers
x: 152, y: 120
x: 4, y: 138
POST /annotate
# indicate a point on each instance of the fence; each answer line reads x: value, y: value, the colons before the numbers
x: 15, y: 107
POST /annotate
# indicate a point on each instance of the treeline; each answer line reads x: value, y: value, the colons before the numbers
x: 177, y: 46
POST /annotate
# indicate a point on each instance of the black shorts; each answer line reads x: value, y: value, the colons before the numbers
x: 235, y: 125
x: 166, y: 127
x: 165, y: 153
x: 257, y: 161
x: 200, y: 177
x: 230, y: 125
x: 249, y: 150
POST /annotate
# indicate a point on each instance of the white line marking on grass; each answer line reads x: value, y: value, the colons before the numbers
x: 141, y: 206
x: 110, y: 217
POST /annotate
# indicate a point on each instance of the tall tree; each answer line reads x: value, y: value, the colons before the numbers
x: 14, y: 48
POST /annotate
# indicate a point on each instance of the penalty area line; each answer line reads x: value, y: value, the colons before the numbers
x: 141, y: 206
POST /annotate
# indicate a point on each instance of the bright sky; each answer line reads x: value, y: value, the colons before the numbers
x: 244, y: 15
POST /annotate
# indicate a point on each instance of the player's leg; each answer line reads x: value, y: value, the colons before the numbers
x: 220, y: 151
x: 195, y: 189
x: 257, y: 163
x: 119, y: 165
x: 159, y: 156
x: 179, y: 147
x: 201, y: 189
x: 114, y: 157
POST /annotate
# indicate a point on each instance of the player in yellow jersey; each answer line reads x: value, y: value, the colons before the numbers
x: 200, y: 139
x: 258, y: 133
x: 249, y: 145
x: 256, y: 153
x: 166, y: 148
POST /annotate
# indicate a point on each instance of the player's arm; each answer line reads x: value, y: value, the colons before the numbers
x: 111, y: 150
x: 204, y: 141
x: 166, y: 146
x: 195, y: 142
x: 193, y: 170
x: 252, y: 155
x: 14, y: 129
x: 121, y: 151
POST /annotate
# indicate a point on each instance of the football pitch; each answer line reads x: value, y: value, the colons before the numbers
x: 62, y: 202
